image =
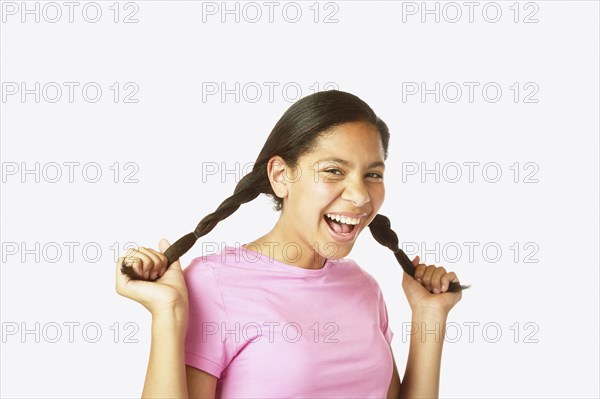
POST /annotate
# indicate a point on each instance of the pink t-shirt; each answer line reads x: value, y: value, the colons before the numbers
x: 268, y: 329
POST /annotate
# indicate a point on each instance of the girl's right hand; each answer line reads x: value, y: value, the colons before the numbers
x: 167, y: 294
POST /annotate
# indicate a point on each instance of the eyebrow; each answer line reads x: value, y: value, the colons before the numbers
x: 349, y: 164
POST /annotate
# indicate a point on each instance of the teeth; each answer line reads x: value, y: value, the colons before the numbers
x: 343, y: 219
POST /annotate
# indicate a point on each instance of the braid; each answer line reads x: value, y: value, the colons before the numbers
x: 246, y: 190
x: 382, y: 231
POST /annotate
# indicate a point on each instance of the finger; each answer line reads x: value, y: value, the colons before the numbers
x: 122, y: 280
x: 164, y: 262
x: 130, y: 252
x: 163, y: 245
x: 156, y: 262
x: 419, y: 271
x: 146, y: 264
x: 426, y: 279
x: 161, y: 255
x: 119, y: 283
x: 135, y: 263
x: 446, y: 279
x: 416, y: 260
x: 131, y: 258
x: 128, y: 287
x: 436, y: 280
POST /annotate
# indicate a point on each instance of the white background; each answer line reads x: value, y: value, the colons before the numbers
x: 170, y: 54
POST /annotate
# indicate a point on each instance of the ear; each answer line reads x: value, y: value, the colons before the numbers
x: 277, y: 170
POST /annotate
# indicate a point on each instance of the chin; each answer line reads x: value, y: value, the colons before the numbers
x: 333, y: 250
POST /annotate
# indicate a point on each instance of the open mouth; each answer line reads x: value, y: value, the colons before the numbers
x: 340, y: 226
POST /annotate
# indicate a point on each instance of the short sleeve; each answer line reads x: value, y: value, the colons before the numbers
x: 207, y: 347
x: 383, y: 316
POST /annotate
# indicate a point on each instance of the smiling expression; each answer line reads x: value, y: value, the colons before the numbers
x: 341, y: 176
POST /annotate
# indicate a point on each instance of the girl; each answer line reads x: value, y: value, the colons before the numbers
x: 262, y: 320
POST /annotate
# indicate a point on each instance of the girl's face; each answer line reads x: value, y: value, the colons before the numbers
x: 343, y: 175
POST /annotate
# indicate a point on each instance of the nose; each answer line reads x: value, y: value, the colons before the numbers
x: 356, y: 192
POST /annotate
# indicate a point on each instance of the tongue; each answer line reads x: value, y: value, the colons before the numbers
x: 338, y: 227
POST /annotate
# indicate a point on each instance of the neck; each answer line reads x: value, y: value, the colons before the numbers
x: 287, y: 248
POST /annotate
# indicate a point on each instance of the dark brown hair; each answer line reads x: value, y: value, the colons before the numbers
x: 295, y: 134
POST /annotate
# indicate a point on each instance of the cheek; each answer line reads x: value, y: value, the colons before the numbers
x: 317, y: 196
x: 380, y: 193
x: 377, y: 197
x: 325, y: 192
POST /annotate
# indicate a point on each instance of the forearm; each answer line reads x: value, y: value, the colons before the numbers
x: 422, y: 374
x: 166, y: 376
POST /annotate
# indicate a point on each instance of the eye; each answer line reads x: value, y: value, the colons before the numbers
x: 376, y: 175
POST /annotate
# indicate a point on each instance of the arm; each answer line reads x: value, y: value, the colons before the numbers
x: 166, y: 374
x: 430, y: 304
x: 422, y: 374
x: 167, y: 300
x: 394, y: 389
x: 200, y: 383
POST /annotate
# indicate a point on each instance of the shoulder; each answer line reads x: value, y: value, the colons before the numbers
x: 218, y: 272
x: 205, y: 293
x: 206, y: 264
x: 203, y: 275
x: 350, y: 265
x: 200, y: 267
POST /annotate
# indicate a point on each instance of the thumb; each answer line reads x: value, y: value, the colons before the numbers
x: 407, y: 279
x: 416, y: 260
x: 163, y: 245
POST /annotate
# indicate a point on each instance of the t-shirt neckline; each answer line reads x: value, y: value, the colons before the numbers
x: 256, y: 257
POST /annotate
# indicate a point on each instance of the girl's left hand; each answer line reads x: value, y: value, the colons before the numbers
x: 428, y: 290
